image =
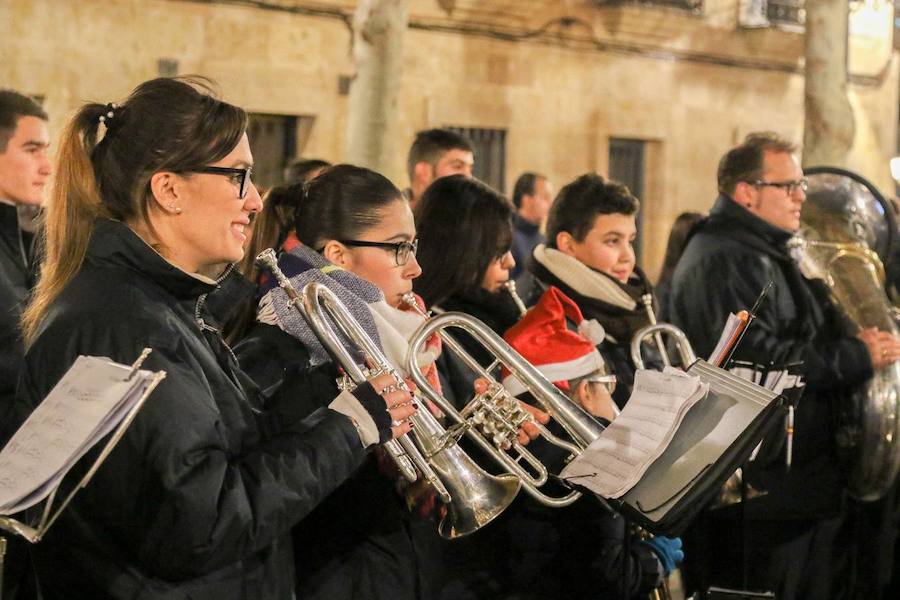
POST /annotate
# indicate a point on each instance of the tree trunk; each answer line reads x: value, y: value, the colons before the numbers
x: 829, y: 122
x: 378, y: 30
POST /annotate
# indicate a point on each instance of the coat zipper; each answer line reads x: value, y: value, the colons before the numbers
x: 198, y: 309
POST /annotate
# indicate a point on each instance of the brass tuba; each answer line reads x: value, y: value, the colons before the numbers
x: 843, y: 224
x: 473, y: 497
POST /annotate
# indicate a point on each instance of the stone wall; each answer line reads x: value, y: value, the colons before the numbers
x: 690, y: 85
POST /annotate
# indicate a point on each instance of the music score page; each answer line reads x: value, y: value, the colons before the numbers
x: 89, y: 401
x: 619, y: 457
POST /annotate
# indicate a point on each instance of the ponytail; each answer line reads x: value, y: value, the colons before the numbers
x: 69, y: 218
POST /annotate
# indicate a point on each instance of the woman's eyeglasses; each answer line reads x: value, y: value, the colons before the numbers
x: 242, y: 176
x: 402, y: 250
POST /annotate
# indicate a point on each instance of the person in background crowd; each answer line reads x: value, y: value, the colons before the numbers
x: 271, y: 228
x: 304, y: 169
x: 24, y: 172
x: 436, y: 153
x: 532, y: 196
x: 678, y: 238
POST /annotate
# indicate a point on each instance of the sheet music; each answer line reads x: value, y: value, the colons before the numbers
x: 618, y: 458
x: 87, y: 403
x: 712, y: 427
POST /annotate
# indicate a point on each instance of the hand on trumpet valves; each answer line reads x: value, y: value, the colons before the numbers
x: 400, y: 403
x: 527, y: 429
x: 883, y: 347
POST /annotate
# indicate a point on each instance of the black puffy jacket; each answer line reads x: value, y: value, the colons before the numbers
x: 362, y: 541
x: 197, y: 499
x: 16, y: 280
x: 723, y: 269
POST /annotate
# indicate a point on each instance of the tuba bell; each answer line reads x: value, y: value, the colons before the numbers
x: 473, y: 497
x: 841, y: 228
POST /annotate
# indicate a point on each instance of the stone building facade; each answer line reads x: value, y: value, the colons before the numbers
x: 564, y: 81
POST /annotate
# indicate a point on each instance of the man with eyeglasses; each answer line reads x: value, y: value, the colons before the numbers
x: 790, y: 532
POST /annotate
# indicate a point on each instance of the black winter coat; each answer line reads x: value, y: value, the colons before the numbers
x: 361, y: 542
x: 197, y: 499
x: 723, y: 269
x: 16, y: 280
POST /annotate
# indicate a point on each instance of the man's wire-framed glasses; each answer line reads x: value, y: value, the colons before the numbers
x: 242, y: 176
x: 788, y: 186
x: 402, y: 250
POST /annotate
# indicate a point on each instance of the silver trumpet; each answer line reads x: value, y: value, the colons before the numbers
x: 655, y: 330
x: 493, y: 418
x: 473, y: 497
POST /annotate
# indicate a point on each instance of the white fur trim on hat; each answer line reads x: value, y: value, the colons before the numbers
x: 561, y: 371
x: 592, y: 330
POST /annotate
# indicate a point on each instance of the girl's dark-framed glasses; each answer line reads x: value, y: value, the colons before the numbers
x: 402, y: 250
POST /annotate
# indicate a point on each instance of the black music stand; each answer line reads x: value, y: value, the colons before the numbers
x: 33, y: 533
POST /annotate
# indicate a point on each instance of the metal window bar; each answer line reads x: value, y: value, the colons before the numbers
x: 626, y: 165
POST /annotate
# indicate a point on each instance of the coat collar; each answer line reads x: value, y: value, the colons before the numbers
x: 729, y: 214
x: 114, y: 243
x: 524, y: 225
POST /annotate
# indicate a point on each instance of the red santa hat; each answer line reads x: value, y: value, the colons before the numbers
x: 544, y: 339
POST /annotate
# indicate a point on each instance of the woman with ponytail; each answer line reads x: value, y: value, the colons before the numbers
x: 151, y: 198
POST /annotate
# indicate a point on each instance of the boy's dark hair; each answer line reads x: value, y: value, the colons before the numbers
x: 525, y: 187
x: 745, y: 162
x: 431, y: 144
x: 578, y: 203
x: 14, y: 106
x: 463, y: 225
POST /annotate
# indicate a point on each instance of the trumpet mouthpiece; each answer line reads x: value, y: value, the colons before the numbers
x: 267, y: 258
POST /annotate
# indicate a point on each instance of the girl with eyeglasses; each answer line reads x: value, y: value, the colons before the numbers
x: 376, y: 537
x: 198, y: 498
x: 351, y: 229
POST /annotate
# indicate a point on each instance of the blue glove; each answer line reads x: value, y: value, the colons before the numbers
x: 668, y: 551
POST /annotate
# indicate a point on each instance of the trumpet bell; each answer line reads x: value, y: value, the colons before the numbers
x: 486, y: 497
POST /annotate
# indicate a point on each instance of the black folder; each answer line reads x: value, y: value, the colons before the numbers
x: 717, y: 435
